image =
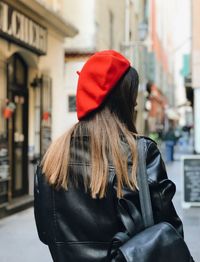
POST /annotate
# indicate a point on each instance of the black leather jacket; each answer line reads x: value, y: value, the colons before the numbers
x: 78, y: 228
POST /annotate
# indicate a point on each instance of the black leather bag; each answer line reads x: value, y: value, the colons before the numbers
x: 146, y: 242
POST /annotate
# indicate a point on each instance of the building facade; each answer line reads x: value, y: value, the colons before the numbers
x: 31, y: 93
x: 170, y: 43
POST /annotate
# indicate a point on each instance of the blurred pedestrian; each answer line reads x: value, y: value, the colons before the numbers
x: 170, y: 139
x: 87, y: 170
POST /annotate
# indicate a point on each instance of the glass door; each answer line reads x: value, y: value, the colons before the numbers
x: 18, y: 125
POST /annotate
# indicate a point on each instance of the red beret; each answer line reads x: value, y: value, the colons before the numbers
x: 97, y: 78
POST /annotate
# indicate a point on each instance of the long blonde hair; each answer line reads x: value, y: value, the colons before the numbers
x: 107, y: 130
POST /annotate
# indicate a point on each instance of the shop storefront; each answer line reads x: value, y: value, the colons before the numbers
x: 31, y: 88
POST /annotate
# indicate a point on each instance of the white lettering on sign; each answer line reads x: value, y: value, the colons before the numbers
x: 18, y: 27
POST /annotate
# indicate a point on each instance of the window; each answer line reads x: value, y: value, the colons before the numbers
x: 43, y: 108
x: 72, y: 103
x: 17, y: 73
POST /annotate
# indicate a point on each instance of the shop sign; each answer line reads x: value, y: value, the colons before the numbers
x: 22, y: 30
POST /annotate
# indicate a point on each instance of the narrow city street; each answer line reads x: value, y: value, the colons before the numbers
x: 19, y: 241
x: 90, y: 72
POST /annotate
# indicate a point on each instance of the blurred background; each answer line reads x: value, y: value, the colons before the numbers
x: 42, y: 45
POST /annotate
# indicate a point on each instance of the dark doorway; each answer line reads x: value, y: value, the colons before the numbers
x: 18, y: 124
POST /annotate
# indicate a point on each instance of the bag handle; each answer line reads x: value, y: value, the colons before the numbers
x: 144, y: 193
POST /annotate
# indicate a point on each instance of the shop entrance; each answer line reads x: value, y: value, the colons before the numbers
x: 18, y: 125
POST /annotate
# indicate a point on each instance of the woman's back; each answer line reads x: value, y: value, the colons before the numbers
x: 90, y: 167
x: 79, y: 228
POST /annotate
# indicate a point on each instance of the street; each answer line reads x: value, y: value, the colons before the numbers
x: 94, y: 70
x: 19, y: 241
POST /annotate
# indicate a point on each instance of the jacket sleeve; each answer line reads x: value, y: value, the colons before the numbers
x: 161, y: 188
x: 39, y: 210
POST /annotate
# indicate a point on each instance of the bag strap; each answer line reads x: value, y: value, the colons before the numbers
x: 129, y: 214
x: 144, y: 193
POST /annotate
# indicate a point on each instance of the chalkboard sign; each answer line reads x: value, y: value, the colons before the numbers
x: 191, y: 180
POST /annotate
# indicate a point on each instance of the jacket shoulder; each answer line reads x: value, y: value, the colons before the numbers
x: 155, y: 166
x: 147, y: 140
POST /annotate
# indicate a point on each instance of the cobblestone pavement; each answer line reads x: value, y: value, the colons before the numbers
x: 19, y: 241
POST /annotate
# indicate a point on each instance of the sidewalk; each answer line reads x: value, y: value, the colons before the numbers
x: 19, y: 241
x: 190, y: 217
